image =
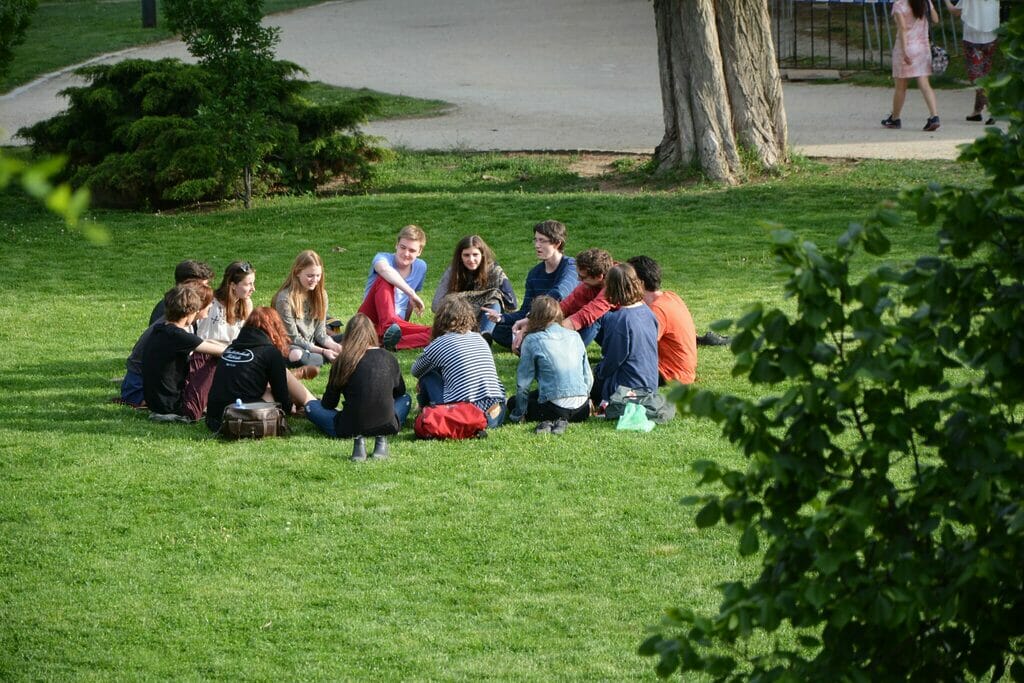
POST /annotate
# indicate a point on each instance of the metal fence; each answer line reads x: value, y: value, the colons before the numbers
x: 845, y: 34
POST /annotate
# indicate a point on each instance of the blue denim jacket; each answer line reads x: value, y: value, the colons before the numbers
x: 557, y: 359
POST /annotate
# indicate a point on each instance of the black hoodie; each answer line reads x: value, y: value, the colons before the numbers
x: 243, y: 372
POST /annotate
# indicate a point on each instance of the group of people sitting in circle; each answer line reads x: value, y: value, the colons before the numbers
x: 205, y: 349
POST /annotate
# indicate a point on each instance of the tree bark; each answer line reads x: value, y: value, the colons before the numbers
x: 720, y: 87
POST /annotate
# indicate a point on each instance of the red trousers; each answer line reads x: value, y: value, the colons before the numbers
x: 379, y: 306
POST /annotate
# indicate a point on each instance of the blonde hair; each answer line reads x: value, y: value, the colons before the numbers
x: 413, y: 233
x: 298, y: 295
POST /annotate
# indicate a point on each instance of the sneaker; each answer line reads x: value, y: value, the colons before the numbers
x: 559, y: 427
x: 990, y: 121
x: 713, y: 339
x: 306, y: 372
x: 890, y: 122
x: 543, y: 427
x: 391, y: 337
x: 973, y: 117
x: 931, y: 124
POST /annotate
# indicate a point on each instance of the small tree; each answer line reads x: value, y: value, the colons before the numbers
x: 228, y: 39
x: 886, y: 480
x: 15, y: 16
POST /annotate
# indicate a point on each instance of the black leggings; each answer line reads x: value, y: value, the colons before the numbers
x: 537, y: 411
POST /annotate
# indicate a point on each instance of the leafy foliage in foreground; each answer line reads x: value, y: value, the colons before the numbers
x: 137, y: 136
x: 886, y: 481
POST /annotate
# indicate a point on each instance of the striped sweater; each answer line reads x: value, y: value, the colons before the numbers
x: 466, y: 367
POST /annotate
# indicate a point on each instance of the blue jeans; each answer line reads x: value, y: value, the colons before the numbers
x: 323, y: 418
x: 502, y: 334
x: 431, y: 392
x: 485, y: 323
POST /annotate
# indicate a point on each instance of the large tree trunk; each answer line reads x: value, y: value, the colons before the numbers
x: 720, y: 86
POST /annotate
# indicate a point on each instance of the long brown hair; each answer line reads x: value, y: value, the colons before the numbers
x: 235, y: 309
x: 267, y: 319
x: 455, y: 314
x: 360, y: 335
x: 298, y: 295
x: 464, y: 279
x: 544, y: 311
x: 919, y: 7
x: 622, y: 286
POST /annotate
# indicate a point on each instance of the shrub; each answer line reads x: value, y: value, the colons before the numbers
x: 886, y: 479
x: 136, y: 136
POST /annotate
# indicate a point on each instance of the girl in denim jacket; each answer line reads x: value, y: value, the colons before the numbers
x: 556, y: 358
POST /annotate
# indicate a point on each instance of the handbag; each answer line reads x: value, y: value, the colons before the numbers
x: 940, y: 59
x: 451, y: 421
x: 253, y: 421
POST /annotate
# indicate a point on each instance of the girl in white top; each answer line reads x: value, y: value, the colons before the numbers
x: 232, y: 304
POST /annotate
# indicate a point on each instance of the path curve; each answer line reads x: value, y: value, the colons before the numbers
x: 529, y: 75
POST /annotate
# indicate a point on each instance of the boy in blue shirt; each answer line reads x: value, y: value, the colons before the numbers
x: 554, y: 276
x: 391, y: 292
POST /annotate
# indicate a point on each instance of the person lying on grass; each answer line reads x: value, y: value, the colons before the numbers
x: 391, y: 296
x: 475, y: 276
x: 556, y: 359
x: 165, y: 358
x: 554, y: 276
x: 457, y: 365
x: 369, y: 379
x: 253, y: 368
x: 302, y: 304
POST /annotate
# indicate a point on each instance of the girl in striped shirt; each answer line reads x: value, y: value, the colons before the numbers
x: 457, y: 365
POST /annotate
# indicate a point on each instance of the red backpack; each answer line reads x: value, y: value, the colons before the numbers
x: 450, y: 421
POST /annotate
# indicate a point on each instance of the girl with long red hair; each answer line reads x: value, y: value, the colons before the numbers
x: 253, y: 368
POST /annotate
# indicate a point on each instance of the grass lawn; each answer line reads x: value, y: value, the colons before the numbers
x: 132, y: 550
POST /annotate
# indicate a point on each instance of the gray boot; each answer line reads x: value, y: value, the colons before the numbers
x: 380, y: 448
x: 358, y: 450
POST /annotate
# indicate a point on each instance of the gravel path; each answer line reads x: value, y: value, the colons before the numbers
x: 533, y: 75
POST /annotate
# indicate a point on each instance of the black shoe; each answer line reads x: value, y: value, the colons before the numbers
x: 713, y: 339
x: 990, y: 122
x: 543, y: 428
x: 559, y: 427
x: 890, y: 122
x: 973, y: 117
x: 931, y: 124
x: 358, y: 450
x: 380, y: 448
x: 391, y: 337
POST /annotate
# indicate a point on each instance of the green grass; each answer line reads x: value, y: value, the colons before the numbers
x: 391, y: 106
x: 130, y: 550
x: 97, y: 27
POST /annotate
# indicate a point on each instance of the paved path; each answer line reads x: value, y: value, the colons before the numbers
x: 537, y: 75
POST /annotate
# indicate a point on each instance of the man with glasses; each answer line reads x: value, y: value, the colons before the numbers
x: 554, y: 276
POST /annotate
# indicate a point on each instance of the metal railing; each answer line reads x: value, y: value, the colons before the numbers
x: 844, y: 34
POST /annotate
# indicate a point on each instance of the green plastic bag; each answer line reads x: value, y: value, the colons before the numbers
x: 634, y: 418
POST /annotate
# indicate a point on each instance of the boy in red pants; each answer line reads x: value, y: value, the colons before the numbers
x: 391, y: 292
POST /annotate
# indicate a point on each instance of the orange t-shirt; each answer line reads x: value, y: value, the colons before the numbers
x: 677, y: 339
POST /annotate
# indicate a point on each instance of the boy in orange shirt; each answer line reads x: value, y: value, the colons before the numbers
x: 677, y: 335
